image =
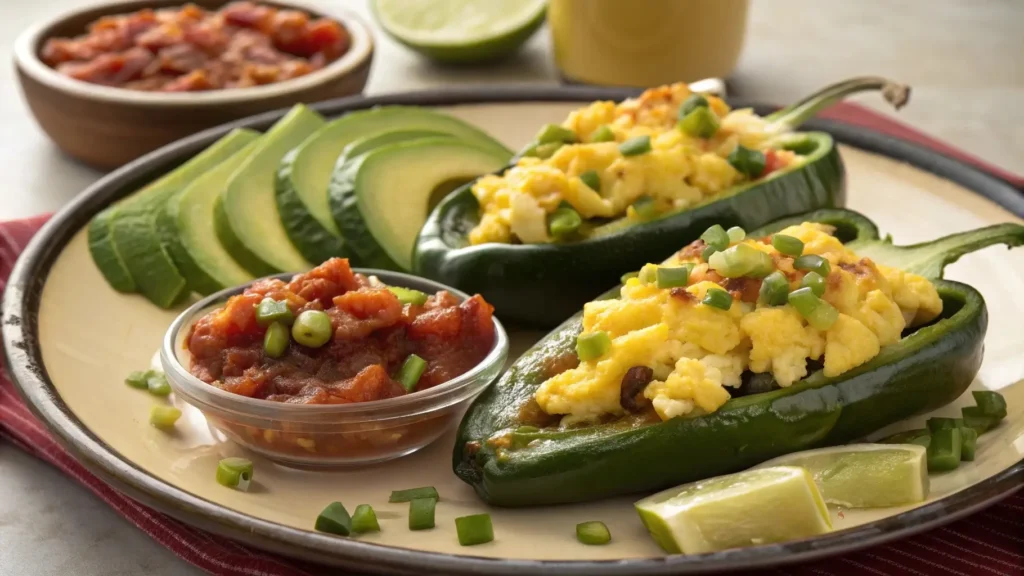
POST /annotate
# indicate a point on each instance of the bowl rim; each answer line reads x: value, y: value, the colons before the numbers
x: 432, y: 399
x: 27, y: 60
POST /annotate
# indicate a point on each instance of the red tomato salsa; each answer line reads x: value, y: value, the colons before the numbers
x: 190, y: 49
x: 372, y: 334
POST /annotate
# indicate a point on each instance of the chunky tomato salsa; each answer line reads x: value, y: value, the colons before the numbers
x: 191, y: 49
x: 331, y: 336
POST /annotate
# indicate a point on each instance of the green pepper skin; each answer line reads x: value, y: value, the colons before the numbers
x: 534, y: 284
x: 927, y: 369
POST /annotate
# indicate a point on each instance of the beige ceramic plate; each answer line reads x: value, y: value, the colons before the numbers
x: 71, y: 340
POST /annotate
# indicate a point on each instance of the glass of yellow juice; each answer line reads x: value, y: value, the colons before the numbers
x: 646, y: 42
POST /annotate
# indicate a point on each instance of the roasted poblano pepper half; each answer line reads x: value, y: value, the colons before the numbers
x: 539, y: 284
x: 512, y: 464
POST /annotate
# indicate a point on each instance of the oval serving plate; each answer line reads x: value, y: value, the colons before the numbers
x: 70, y: 340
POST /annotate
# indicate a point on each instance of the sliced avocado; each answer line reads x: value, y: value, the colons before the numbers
x: 133, y: 226
x: 304, y: 173
x: 246, y: 217
x: 381, y: 199
x: 104, y: 252
x: 192, y: 214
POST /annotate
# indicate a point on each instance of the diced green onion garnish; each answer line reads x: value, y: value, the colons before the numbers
x: 421, y: 513
x: 748, y: 162
x: 603, y: 134
x: 235, y: 473
x: 139, y: 379
x: 775, y: 289
x: 627, y: 276
x: 410, y: 372
x: 545, y: 151
x: 718, y: 299
x: 646, y: 208
x: 411, y: 494
x: 593, y: 533
x: 788, y: 245
x: 944, y: 450
x: 636, y: 146
x: 364, y: 519
x: 269, y: 311
x: 673, y: 276
x: 716, y: 236
x: 813, y: 263
x: 741, y: 260
x: 736, y: 234
x: 592, y: 346
x: 164, y: 416
x: 409, y: 296
x: 649, y: 273
x: 693, y: 102
x: 312, y: 328
x: 818, y: 313
x: 555, y: 133
x: 475, y: 529
x: 708, y: 252
x: 920, y: 437
x: 968, y: 443
x: 991, y: 403
x: 564, y: 221
x: 157, y: 383
x: 334, y: 520
x: 592, y: 179
x: 275, y: 341
x: 935, y: 424
x: 700, y: 123
x: 815, y: 282
x: 975, y: 418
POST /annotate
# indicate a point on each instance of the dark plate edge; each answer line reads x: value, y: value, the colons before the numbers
x: 23, y: 357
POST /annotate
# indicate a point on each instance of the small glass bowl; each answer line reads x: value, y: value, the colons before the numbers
x: 329, y: 435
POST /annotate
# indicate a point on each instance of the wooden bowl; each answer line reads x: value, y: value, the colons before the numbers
x: 106, y: 127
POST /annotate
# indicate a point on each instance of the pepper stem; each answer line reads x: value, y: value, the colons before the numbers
x: 796, y: 114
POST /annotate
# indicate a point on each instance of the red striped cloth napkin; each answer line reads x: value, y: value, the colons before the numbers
x: 989, y: 543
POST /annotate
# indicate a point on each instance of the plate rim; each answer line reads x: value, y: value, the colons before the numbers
x: 19, y: 313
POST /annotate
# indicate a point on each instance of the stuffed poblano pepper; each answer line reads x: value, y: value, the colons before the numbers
x: 741, y: 347
x: 617, y: 185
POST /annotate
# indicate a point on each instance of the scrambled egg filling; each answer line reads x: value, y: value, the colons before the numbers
x: 697, y: 350
x: 679, y: 170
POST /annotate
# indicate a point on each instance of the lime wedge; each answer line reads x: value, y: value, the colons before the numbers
x: 865, y: 475
x: 750, y: 508
x: 461, y: 31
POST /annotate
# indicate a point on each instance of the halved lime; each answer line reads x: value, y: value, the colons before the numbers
x: 461, y: 31
x: 750, y: 508
x: 865, y: 475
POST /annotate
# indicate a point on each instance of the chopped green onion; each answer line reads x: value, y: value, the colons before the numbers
x: 139, y: 379
x: 592, y: 346
x: 815, y: 282
x: 312, y: 328
x: 693, y: 102
x: 555, y: 133
x: 627, y: 276
x: 593, y: 533
x: 411, y: 494
x: 736, y: 234
x: 748, y: 162
x: 944, y: 451
x: 275, y: 341
x: 975, y: 418
x: 813, y: 263
x: 636, y: 146
x: 545, y: 151
x: 991, y: 403
x: 364, y: 519
x: 920, y: 437
x: 603, y: 134
x: 421, y: 513
x: 564, y: 221
x: 235, y: 473
x: 157, y: 383
x: 164, y: 416
x: 717, y: 299
x: 592, y: 179
x: 646, y: 208
x: 936, y: 424
x: 269, y: 311
x: 968, y: 443
x: 788, y: 245
x: 775, y: 289
x: 716, y: 236
x: 409, y: 296
x: 334, y: 520
x: 700, y: 123
x: 649, y: 273
x: 818, y: 313
x: 741, y: 260
x: 410, y: 372
x: 708, y: 252
x: 475, y: 529
x: 673, y: 276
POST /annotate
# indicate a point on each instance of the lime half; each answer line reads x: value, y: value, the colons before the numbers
x: 865, y: 475
x: 461, y: 31
x: 750, y: 508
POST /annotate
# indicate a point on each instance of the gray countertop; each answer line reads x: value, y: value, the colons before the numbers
x: 962, y: 58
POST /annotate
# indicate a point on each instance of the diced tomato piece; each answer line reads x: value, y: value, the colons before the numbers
x: 772, y: 162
